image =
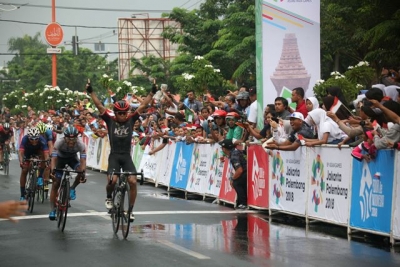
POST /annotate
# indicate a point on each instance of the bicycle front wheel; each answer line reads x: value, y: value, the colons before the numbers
x: 62, y: 207
x: 115, y: 212
x: 125, y: 211
x: 31, y: 191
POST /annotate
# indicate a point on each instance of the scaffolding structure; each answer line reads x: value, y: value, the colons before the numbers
x: 138, y: 37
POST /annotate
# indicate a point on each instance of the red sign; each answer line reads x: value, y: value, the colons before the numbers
x: 227, y: 193
x: 54, y: 34
x: 257, y: 177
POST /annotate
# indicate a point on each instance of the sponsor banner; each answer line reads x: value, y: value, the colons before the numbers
x: 257, y: 176
x: 158, y: 159
x: 92, y: 153
x: 288, y: 181
x: 214, y: 179
x: 287, y: 38
x: 329, y: 184
x: 258, y: 234
x: 137, y: 154
x: 181, y: 165
x: 148, y: 164
x: 105, y: 153
x: 199, y: 169
x: 396, y: 210
x: 372, y: 190
x: 164, y: 174
x: 227, y: 192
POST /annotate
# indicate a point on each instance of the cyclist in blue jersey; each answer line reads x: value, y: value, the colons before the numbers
x: 65, y: 152
x: 120, y: 129
x: 31, y: 145
x: 47, y: 134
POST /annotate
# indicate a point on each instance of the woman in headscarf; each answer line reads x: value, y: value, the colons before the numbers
x: 328, y: 131
x: 311, y: 103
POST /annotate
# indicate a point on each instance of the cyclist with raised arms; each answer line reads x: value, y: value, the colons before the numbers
x: 47, y: 134
x: 65, y: 152
x: 120, y: 129
x: 6, y: 133
x: 31, y: 145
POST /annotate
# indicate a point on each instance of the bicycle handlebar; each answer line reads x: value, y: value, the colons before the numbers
x: 66, y: 170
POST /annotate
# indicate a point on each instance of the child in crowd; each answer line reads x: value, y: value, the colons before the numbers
x: 366, y: 150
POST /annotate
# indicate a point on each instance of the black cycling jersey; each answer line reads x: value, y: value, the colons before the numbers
x: 120, y: 133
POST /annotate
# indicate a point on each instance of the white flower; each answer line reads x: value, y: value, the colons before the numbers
x: 318, y: 82
x: 16, y: 106
x: 119, y: 89
x: 66, y: 100
x: 4, y: 98
x: 105, y: 76
x: 111, y: 79
x: 208, y: 66
x: 198, y: 57
x: 359, y: 86
x: 61, y: 94
x: 23, y: 106
x: 335, y: 73
x: 134, y: 91
x: 52, y: 89
x: 58, y: 101
x: 46, y: 89
x: 49, y: 97
x: 350, y: 67
x: 187, y: 76
x: 41, y: 94
x: 217, y: 70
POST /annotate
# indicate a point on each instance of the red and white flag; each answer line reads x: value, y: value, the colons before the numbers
x: 336, y: 105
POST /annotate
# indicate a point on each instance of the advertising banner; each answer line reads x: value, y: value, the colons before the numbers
x: 396, y: 203
x: 181, y: 165
x: 148, y: 164
x: 329, y: 183
x: 105, y: 153
x: 215, y: 173
x: 198, y: 175
x: 227, y: 192
x: 164, y: 174
x: 137, y: 155
x: 288, y: 181
x: 287, y: 48
x: 92, y: 154
x: 372, y: 190
x: 257, y: 176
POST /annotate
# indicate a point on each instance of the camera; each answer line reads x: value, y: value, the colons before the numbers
x: 205, y: 98
x: 275, y: 119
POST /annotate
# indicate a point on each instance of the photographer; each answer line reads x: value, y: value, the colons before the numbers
x: 390, y: 77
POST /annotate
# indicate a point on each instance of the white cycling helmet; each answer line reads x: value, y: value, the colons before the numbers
x: 6, y: 126
x: 33, y: 132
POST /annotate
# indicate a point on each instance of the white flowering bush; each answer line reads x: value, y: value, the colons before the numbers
x: 201, y: 77
x: 356, y: 78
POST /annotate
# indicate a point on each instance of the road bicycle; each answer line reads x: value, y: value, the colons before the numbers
x: 31, y: 186
x: 63, y: 199
x: 121, y: 212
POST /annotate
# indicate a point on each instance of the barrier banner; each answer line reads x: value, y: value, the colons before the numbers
x: 228, y: 230
x: 164, y: 174
x: 181, y: 165
x: 329, y: 184
x: 372, y: 190
x: 137, y: 154
x: 105, y: 152
x: 215, y: 172
x: 199, y: 169
x: 148, y: 164
x: 288, y: 181
x: 396, y: 210
x: 257, y: 176
x: 258, y: 234
x: 92, y: 153
x: 227, y: 192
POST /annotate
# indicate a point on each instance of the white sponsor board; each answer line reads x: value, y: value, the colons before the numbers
x: 199, y: 169
x: 329, y: 172
x: 164, y: 174
x: 288, y: 186
x: 215, y: 172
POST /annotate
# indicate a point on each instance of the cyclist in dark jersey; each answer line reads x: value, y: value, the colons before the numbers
x: 120, y: 129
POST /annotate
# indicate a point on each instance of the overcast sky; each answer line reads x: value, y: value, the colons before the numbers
x: 75, y: 14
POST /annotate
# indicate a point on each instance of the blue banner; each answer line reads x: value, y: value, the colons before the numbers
x: 371, y: 193
x: 181, y: 165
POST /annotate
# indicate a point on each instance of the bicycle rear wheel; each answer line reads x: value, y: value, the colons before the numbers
x: 125, y: 211
x: 115, y: 212
x: 31, y: 191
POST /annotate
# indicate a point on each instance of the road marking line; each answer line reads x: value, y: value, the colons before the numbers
x: 162, y: 212
x: 184, y: 250
x: 105, y: 217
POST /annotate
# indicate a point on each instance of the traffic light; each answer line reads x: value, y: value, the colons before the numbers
x: 75, y: 45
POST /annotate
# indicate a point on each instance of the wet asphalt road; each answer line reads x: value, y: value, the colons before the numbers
x: 169, y: 231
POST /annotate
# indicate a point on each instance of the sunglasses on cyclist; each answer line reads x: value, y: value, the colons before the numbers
x: 121, y: 113
x: 70, y: 138
x: 33, y: 138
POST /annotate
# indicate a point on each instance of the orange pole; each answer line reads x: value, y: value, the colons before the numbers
x: 54, y: 57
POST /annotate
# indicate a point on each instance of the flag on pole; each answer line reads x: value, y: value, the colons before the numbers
x: 336, y: 105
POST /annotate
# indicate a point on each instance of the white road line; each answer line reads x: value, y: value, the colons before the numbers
x: 107, y: 217
x: 162, y: 212
x: 184, y: 250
